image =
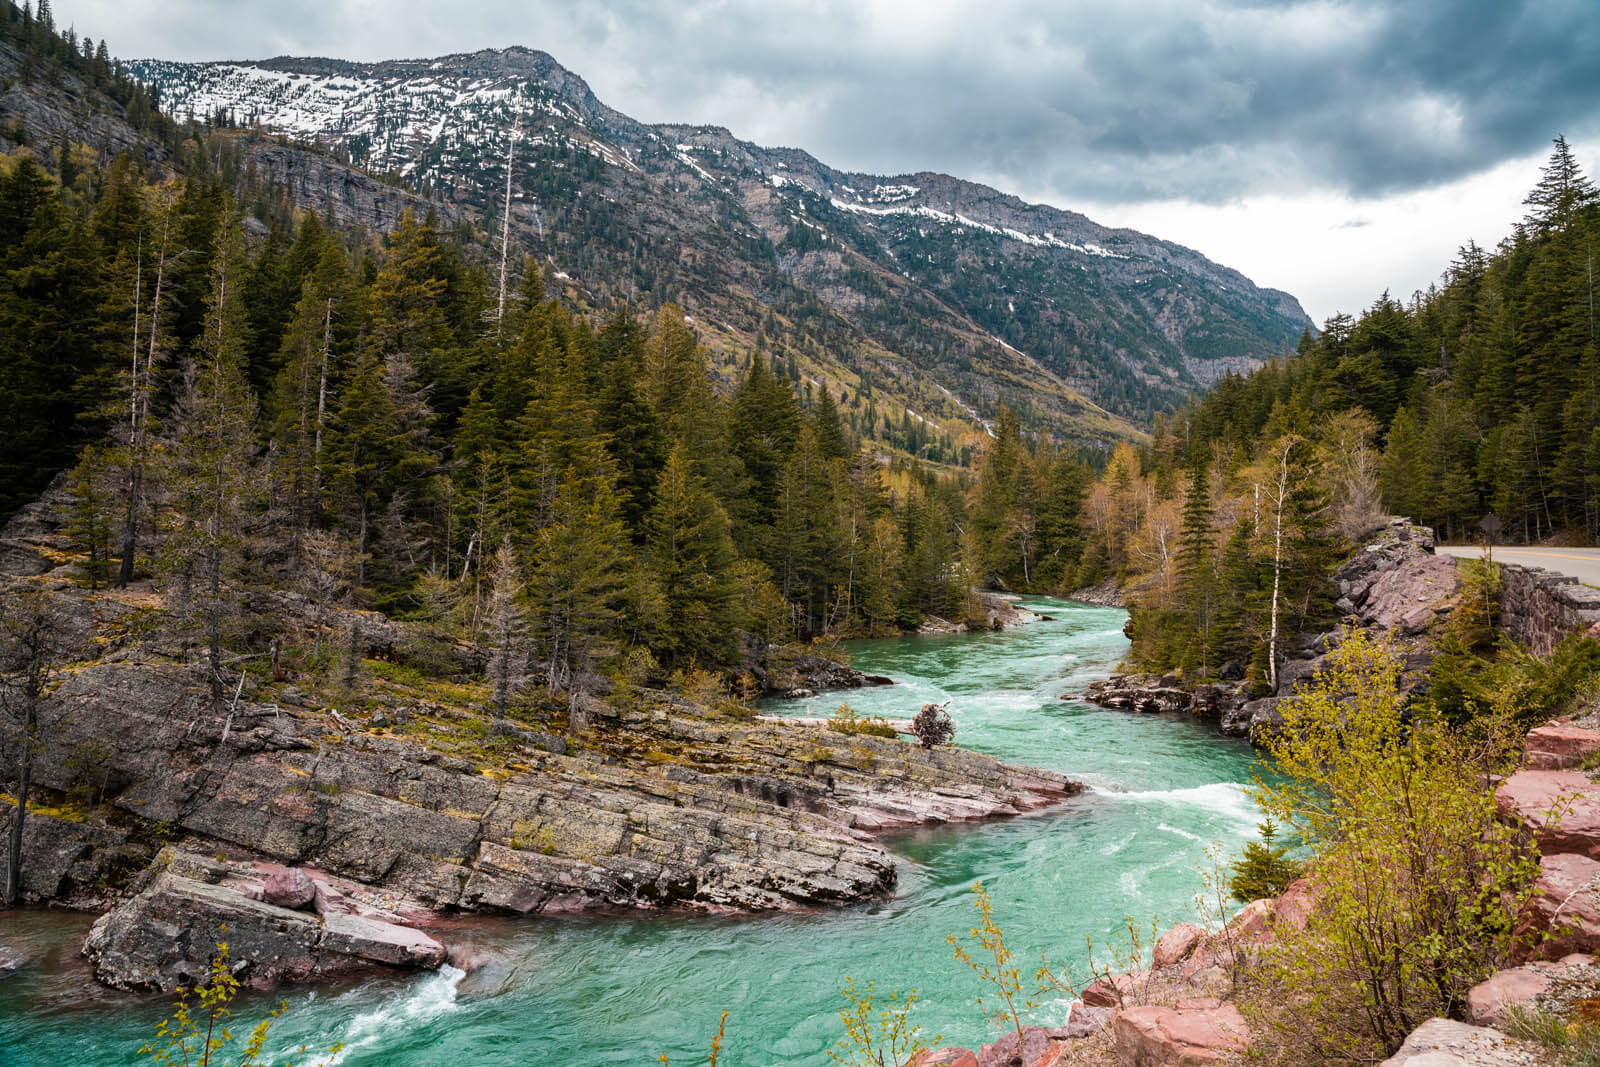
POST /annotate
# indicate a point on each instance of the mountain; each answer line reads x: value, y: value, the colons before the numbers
x: 926, y: 300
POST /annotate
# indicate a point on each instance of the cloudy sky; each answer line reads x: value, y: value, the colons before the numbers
x: 1333, y: 149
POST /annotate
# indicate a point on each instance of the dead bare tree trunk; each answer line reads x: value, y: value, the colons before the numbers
x: 505, y: 235
x: 142, y: 388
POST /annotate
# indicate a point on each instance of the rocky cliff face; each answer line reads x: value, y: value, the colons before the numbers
x: 948, y: 296
x: 1394, y: 585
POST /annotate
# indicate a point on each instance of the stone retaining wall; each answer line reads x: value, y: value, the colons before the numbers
x: 1539, y: 607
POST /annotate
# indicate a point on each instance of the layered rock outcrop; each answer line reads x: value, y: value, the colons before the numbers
x: 166, y: 936
x: 663, y: 808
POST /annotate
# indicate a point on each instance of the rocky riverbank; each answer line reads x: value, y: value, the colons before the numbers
x: 1106, y: 594
x: 426, y: 805
x: 1394, y: 585
x: 994, y: 611
x: 1180, y: 1011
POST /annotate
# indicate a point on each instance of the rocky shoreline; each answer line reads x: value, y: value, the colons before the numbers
x: 1179, y: 1011
x: 1394, y: 585
x: 1106, y: 594
x: 666, y: 805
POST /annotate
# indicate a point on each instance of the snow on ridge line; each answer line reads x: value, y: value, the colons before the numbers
x: 400, y: 109
x: 1049, y: 240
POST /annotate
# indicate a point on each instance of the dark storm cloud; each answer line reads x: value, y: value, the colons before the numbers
x: 1112, y: 101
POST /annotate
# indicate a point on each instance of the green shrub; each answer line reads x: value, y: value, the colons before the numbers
x: 1418, y: 881
x: 1513, y: 682
x: 849, y: 721
x: 197, y: 1033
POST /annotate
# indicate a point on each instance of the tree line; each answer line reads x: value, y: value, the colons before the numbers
x: 1480, y: 395
x: 368, y: 424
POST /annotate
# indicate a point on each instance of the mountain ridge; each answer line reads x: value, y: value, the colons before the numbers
x: 961, y: 297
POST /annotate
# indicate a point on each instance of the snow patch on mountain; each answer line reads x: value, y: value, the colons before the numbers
x: 1048, y: 240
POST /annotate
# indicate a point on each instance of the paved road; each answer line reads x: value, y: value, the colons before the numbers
x: 1582, y: 563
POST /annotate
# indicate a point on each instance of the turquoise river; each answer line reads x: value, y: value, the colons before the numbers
x: 626, y: 989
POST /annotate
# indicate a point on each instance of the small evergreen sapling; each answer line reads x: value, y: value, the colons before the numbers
x: 1265, y: 869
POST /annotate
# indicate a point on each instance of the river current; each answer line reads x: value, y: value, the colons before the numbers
x: 576, y: 992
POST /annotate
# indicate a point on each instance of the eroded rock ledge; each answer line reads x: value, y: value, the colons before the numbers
x: 166, y: 935
x: 659, y: 808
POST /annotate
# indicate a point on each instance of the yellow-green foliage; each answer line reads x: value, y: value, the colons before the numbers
x: 528, y: 834
x: 877, y: 1036
x: 1418, y: 883
x: 197, y: 1033
x: 995, y: 965
x: 66, y: 812
x: 849, y: 721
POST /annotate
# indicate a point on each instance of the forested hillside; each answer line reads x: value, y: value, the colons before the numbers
x: 248, y: 395
x: 1480, y: 395
x: 928, y: 301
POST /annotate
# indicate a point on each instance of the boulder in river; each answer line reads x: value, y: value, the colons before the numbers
x: 167, y: 935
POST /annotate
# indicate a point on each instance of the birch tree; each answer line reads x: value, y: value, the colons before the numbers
x: 1278, y: 493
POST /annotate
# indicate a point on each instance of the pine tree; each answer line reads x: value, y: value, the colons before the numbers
x: 579, y: 575
x: 1197, y: 584
x: 89, y: 524
x: 211, y: 460
x: 679, y: 387
x: 303, y: 401
x: 507, y: 628
x: 688, y: 550
x: 1563, y: 192
x: 830, y: 433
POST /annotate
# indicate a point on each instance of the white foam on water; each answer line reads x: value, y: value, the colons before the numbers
x: 1112, y: 848
x: 1227, y: 799
x: 422, y: 1003
x: 1180, y: 833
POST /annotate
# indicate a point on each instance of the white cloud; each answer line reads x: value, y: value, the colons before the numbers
x: 1337, y: 253
x: 1252, y: 131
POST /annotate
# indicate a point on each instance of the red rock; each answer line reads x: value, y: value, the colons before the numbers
x: 1177, y: 943
x: 1083, y: 1021
x: 1488, y: 1000
x: 330, y: 901
x: 381, y: 942
x: 1558, y: 747
x: 1563, y: 900
x: 1562, y: 808
x: 289, y: 888
x: 1205, y: 956
x: 1039, y: 1045
x: 1193, y: 1034
x: 944, y: 1057
x: 1294, y: 908
x: 1253, y: 920
x: 1111, y: 992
